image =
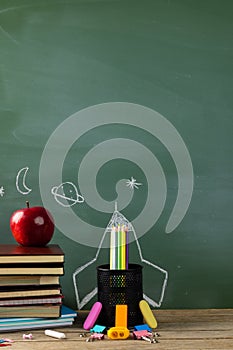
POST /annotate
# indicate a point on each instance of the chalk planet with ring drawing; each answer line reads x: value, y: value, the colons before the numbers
x: 67, y: 201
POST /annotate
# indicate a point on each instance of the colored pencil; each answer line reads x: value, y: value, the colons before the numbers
x: 119, y: 258
x: 127, y: 248
x: 119, y: 246
x: 123, y: 248
x: 113, y: 248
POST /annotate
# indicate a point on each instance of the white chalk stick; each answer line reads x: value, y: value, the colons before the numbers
x: 54, y: 334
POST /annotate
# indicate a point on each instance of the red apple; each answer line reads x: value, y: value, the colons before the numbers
x: 32, y: 226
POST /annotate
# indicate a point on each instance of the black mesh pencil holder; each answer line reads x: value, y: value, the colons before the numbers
x: 119, y: 287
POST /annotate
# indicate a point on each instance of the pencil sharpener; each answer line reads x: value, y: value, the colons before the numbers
x: 118, y: 333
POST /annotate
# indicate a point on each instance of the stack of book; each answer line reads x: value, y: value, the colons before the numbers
x: 67, y: 318
x: 30, y: 281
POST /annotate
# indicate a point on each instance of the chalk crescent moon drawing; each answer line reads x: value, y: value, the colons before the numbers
x: 21, y: 179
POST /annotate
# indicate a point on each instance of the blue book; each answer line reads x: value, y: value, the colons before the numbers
x: 67, y: 312
x: 66, y: 319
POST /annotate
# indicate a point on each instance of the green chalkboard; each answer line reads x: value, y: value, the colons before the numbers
x: 126, y: 106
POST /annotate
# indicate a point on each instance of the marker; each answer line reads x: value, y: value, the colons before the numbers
x: 54, y: 334
x: 92, y: 316
x: 147, y: 314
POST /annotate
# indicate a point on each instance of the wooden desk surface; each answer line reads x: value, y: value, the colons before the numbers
x: 178, y: 329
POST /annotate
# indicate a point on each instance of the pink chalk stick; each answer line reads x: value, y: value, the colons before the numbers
x: 92, y: 316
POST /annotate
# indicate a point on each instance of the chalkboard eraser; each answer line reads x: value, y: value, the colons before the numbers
x: 147, y: 314
x: 92, y: 316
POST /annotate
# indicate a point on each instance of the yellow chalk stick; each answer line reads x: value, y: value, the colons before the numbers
x: 121, y: 316
x: 147, y: 314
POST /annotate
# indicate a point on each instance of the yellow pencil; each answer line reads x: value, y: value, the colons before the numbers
x: 119, y: 248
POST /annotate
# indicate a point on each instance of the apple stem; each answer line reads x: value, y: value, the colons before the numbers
x: 27, y: 203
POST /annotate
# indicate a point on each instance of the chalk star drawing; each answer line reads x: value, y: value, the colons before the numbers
x: 116, y: 219
x: 2, y: 191
x: 61, y: 198
x: 132, y: 183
